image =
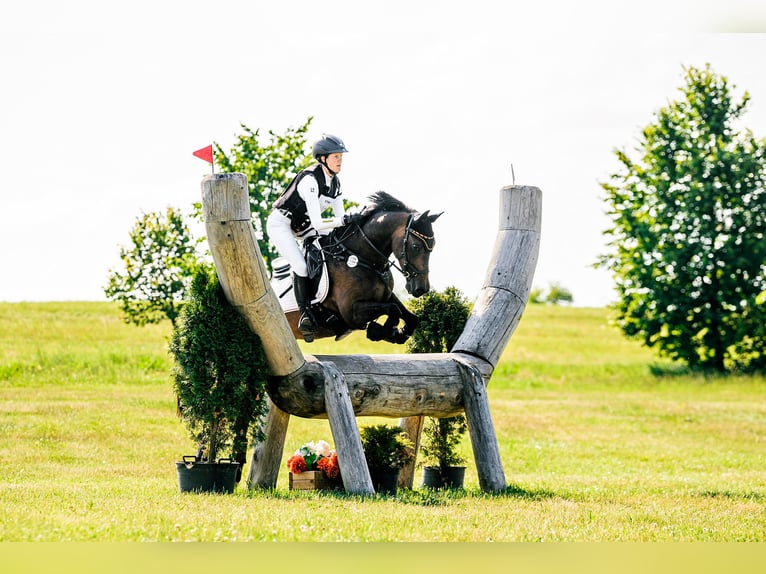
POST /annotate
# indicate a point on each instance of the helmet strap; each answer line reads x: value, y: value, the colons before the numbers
x: 323, y: 160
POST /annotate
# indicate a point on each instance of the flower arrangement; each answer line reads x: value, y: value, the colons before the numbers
x: 315, y: 456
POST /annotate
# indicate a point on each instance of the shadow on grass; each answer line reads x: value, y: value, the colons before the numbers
x: 415, y: 497
x: 670, y: 370
x: 515, y: 491
x: 752, y: 496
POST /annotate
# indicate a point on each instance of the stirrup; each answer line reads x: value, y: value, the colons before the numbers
x: 308, y: 327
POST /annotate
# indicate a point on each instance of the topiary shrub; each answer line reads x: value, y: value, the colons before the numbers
x: 221, y: 372
x: 442, y: 319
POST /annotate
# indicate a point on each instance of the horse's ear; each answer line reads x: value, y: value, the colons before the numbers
x: 434, y: 217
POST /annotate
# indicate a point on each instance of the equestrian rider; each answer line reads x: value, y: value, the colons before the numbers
x: 297, y: 217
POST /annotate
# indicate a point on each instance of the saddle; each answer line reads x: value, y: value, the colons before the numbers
x: 282, y: 283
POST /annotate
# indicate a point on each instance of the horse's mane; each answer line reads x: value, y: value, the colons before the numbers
x: 382, y: 201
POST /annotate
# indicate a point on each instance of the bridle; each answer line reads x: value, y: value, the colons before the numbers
x: 408, y: 270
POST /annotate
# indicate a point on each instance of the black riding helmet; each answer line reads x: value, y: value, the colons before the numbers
x: 326, y: 145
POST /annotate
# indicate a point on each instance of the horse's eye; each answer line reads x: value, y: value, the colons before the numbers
x: 415, y: 247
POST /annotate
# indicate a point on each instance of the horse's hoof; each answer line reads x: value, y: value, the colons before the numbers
x: 400, y: 338
x: 376, y: 332
x: 308, y: 337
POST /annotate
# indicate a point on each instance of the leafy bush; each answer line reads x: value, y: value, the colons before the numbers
x: 442, y: 319
x: 386, y: 447
x: 441, y: 439
x: 221, y: 372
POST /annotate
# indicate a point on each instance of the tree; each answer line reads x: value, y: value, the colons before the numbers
x: 269, y: 169
x: 558, y: 294
x: 158, y: 269
x: 555, y: 295
x: 687, y: 235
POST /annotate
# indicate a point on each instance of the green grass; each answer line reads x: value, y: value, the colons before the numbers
x: 595, y: 447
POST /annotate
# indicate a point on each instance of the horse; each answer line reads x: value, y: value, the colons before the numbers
x: 360, y: 287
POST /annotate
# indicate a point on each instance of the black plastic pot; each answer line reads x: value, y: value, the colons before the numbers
x: 195, y: 476
x: 385, y: 480
x: 452, y: 477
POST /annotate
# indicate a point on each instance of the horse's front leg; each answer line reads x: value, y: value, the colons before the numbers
x: 365, y: 313
x: 411, y: 322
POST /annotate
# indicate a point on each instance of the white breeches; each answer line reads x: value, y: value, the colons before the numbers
x: 278, y: 228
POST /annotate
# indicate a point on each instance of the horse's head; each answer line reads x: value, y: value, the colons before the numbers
x: 412, y: 246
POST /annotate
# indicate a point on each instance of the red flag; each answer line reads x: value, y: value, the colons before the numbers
x: 205, y: 153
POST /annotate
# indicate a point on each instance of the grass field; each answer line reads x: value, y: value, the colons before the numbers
x: 600, y: 441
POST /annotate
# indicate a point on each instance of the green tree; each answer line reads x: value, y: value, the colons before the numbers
x: 555, y: 295
x: 536, y: 296
x: 158, y: 268
x: 558, y: 294
x: 269, y: 168
x: 687, y: 235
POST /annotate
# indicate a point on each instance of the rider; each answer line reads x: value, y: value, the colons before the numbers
x: 297, y: 217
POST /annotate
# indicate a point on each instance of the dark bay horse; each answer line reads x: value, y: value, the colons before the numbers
x: 361, y: 281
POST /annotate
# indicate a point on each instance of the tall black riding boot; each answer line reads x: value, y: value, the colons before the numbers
x: 307, y: 324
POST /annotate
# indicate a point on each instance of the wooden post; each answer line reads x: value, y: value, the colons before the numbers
x: 345, y: 433
x: 503, y: 297
x: 245, y: 282
x: 482, y: 432
x: 413, y: 426
x: 242, y: 272
x: 267, y: 455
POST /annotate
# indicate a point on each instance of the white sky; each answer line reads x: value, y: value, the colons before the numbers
x: 101, y: 107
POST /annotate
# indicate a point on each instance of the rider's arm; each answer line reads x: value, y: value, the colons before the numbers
x: 338, y: 210
x: 309, y: 191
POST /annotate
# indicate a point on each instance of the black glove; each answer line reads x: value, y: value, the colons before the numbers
x: 351, y: 218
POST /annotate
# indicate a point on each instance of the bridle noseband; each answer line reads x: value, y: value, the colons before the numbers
x: 408, y: 269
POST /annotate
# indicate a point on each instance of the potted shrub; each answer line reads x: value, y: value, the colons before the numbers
x: 220, y: 380
x: 387, y: 449
x: 441, y: 459
x: 443, y: 316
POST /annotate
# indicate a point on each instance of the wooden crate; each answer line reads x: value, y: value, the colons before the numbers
x: 314, y: 480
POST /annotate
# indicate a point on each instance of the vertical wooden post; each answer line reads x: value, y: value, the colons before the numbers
x: 486, y: 452
x: 413, y: 426
x: 267, y: 455
x: 345, y: 433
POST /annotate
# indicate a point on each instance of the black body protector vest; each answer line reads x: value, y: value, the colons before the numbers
x: 292, y: 205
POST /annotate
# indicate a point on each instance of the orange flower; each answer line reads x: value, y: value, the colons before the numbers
x: 329, y: 465
x: 296, y: 464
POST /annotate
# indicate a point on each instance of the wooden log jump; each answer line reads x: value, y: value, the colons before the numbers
x: 341, y: 387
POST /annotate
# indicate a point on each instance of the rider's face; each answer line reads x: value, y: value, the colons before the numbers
x: 334, y: 161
